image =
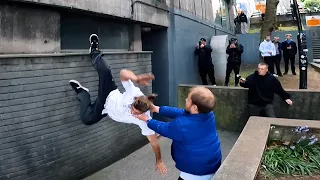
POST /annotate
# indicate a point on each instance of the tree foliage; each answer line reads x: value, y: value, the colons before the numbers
x: 311, y: 4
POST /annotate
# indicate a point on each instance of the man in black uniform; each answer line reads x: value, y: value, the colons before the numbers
x: 290, y: 50
x: 234, y: 50
x: 262, y: 87
x: 203, y: 51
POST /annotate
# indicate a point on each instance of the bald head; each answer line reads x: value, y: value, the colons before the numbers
x: 203, y: 98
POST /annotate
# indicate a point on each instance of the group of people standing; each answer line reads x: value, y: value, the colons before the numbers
x: 206, y: 67
x: 263, y: 83
x: 273, y: 51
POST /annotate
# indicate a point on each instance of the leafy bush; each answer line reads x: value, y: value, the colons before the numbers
x: 300, y: 157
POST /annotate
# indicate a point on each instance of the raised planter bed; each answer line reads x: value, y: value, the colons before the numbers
x: 291, y: 153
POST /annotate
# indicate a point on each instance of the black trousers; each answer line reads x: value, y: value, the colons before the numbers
x: 277, y: 60
x: 286, y: 64
x: 235, y: 67
x: 91, y: 113
x: 204, y: 71
x: 270, y: 61
x: 266, y: 111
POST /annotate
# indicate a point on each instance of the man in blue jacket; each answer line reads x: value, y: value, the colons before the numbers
x: 196, y: 145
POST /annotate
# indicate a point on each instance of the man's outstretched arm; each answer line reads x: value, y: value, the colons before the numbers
x: 160, y: 166
x: 170, y: 112
x: 126, y: 75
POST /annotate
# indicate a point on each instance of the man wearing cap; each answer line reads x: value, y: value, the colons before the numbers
x: 290, y: 50
x: 203, y: 51
x: 234, y: 50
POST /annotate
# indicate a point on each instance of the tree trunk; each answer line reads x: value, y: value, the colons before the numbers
x: 270, y: 20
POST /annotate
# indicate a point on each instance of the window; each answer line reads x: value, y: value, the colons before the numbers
x: 216, y: 12
x: 224, y: 13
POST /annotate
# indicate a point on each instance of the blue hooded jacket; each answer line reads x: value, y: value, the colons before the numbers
x: 196, y: 146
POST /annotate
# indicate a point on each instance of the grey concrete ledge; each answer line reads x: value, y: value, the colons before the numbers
x: 241, y: 88
x: 244, y: 159
x: 6, y: 56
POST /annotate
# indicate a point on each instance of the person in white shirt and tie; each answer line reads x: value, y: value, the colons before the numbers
x: 268, y: 52
x: 121, y: 107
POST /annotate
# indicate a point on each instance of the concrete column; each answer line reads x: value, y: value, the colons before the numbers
x: 137, y: 42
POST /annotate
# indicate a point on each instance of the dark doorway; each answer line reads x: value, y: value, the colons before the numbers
x: 156, y: 40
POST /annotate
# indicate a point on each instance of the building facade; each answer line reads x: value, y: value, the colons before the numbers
x: 169, y: 28
x: 44, y: 44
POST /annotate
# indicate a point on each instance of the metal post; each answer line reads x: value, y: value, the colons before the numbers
x: 302, y: 47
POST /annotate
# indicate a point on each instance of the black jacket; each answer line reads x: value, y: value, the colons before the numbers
x: 204, y: 56
x: 289, y: 52
x: 241, y: 18
x: 263, y: 88
x: 234, y: 54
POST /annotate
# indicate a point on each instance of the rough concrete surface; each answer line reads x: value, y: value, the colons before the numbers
x: 140, y: 164
x: 26, y: 29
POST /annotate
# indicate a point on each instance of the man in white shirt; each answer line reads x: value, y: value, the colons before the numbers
x: 268, y: 52
x: 121, y: 107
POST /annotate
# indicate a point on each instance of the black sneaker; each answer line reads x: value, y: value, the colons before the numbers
x: 94, y: 43
x: 77, y: 87
x: 294, y: 73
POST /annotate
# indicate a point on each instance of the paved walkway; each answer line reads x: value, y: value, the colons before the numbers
x: 140, y: 164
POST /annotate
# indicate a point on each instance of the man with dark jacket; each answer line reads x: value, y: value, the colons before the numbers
x: 195, y: 143
x: 262, y: 87
x: 243, y: 21
x: 277, y: 58
x: 290, y: 50
x: 234, y: 50
x: 203, y: 51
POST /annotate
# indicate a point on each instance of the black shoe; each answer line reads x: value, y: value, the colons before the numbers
x: 94, y: 43
x: 294, y: 73
x: 285, y: 73
x: 76, y: 86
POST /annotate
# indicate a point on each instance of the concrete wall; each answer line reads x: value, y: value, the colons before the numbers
x: 119, y: 8
x: 28, y: 29
x: 231, y: 107
x: 151, y: 12
x: 183, y: 36
x: 148, y: 11
x: 76, y: 28
x: 41, y: 135
x: 200, y: 8
x: 251, y: 44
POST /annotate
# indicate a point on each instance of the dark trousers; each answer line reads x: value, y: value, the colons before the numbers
x: 270, y: 61
x: 277, y: 60
x: 235, y: 67
x: 180, y: 178
x: 91, y: 113
x: 266, y: 111
x: 204, y: 71
x: 286, y: 64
